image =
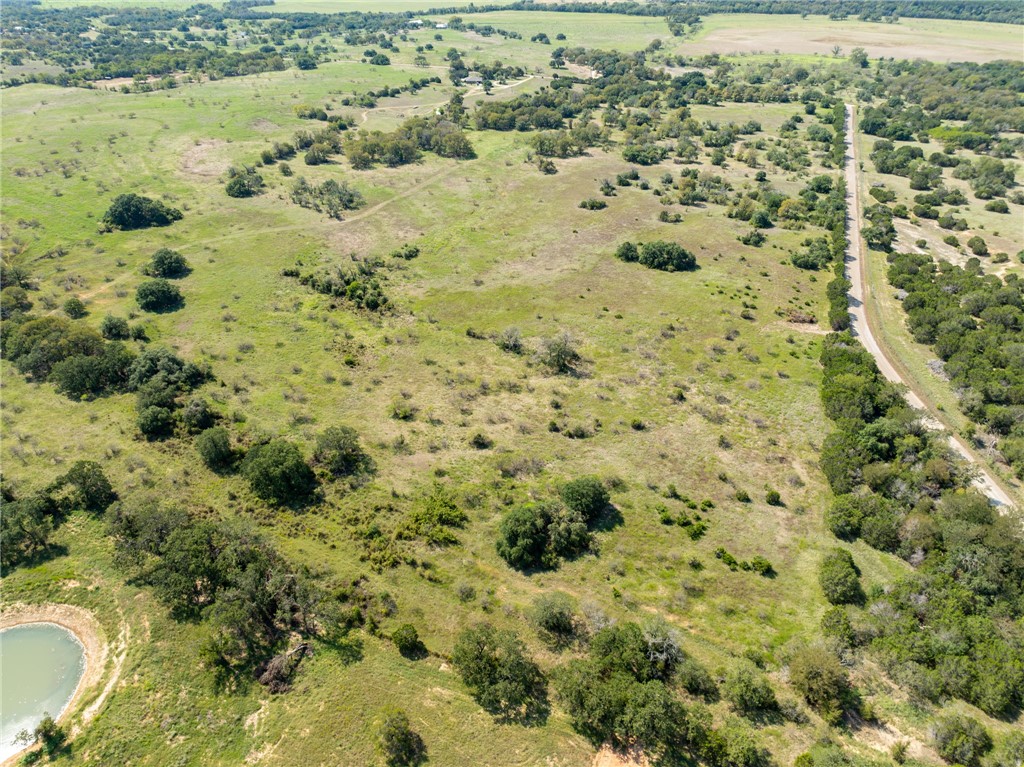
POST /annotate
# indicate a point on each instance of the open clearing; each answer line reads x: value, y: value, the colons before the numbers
x: 934, y: 39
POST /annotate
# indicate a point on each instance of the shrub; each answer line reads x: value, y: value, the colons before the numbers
x: 666, y: 256
x: 748, y: 690
x: 398, y: 743
x: 132, y: 211
x: 74, y: 308
x: 339, y: 452
x: 593, y: 204
x: 978, y: 246
x: 840, y: 579
x: 587, y: 496
x: 502, y: 678
x: 168, y: 264
x: 510, y: 340
x: 559, y: 353
x: 835, y: 624
x: 114, y: 328
x: 245, y: 183
x: 554, y: 616
x: 961, y: 740
x: 214, y: 447
x: 197, y: 415
x: 155, y: 422
x: 89, y: 489
x: 277, y: 472
x: 819, y: 677
x: 997, y: 206
x: 627, y: 252
x: 772, y: 498
x: 158, y: 295
x: 537, y: 534
x: 407, y: 640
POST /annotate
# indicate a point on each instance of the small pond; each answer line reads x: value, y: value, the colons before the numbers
x: 40, y: 665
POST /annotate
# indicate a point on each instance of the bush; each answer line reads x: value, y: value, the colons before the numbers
x: 90, y: 490
x: 339, y: 452
x: 132, y: 211
x: 666, y: 256
x: 819, y: 677
x: 538, y: 534
x: 523, y: 536
x: 74, y: 308
x: 500, y: 675
x: 214, y: 447
x: 510, y: 340
x: 748, y: 690
x: 554, y: 616
x: 997, y: 206
x: 835, y: 624
x: 407, y: 640
x: 978, y: 246
x: 593, y: 204
x: 627, y: 252
x: 155, y: 422
x: 559, y: 353
x: 168, y: 264
x: 587, y: 496
x: 277, y: 472
x: 961, y: 740
x: 158, y: 295
x: 840, y: 579
x: 246, y: 183
x: 114, y: 328
x: 398, y: 743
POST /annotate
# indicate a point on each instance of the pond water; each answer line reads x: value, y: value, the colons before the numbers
x: 40, y: 665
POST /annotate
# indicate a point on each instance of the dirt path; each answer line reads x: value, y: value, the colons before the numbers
x: 860, y: 327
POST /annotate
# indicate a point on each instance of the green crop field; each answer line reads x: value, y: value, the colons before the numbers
x: 697, y: 394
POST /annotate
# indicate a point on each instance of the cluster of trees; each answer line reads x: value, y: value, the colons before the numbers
x: 541, y: 534
x: 975, y: 323
x: 899, y: 489
x: 28, y: 521
x: 361, y: 284
x: 244, y: 182
x: 133, y: 211
x: 998, y: 11
x: 404, y: 145
x: 227, y: 575
x: 661, y: 255
x: 568, y: 143
x: 331, y: 197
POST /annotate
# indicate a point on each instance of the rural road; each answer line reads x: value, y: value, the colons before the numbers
x: 860, y: 326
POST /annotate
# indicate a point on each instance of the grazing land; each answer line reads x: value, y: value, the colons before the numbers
x: 932, y: 39
x: 442, y: 329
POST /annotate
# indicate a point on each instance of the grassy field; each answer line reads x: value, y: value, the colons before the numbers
x: 934, y: 39
x: 501, y: 245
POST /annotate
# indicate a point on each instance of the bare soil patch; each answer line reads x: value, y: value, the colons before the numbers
x: 203, y: 159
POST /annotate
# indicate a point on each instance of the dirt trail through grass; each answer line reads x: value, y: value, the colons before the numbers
x: 860, y: 327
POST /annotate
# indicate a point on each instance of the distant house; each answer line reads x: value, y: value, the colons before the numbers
x: 440, y: 25
x: 473, y: 78
x: 415, y: 23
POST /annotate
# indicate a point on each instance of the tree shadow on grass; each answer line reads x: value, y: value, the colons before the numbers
x: 608, y: 519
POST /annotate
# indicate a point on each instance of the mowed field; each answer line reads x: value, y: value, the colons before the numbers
x: 501, y: 245
x: 933, y: 39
